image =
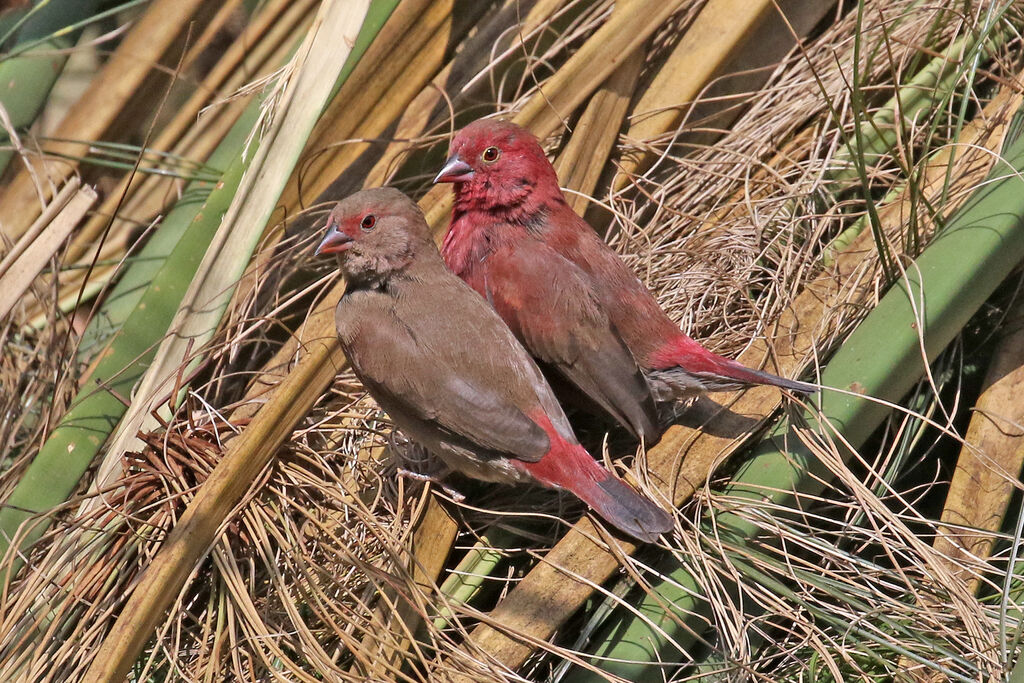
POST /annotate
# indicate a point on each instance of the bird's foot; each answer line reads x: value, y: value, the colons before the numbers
x: 434, y: 479
x: 416, y: 463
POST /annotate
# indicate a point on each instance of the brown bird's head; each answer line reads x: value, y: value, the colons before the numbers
x: 376, y: 233
x: 496, y: 164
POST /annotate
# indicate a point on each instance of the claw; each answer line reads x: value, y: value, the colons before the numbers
x: 433, y: 479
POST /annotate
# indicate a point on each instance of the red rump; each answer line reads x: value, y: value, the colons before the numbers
x: 568, y: 466
x: 685, y: 352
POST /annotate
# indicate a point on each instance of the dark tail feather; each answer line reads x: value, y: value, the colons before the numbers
x: 750, y: 376
x: 626, y: 509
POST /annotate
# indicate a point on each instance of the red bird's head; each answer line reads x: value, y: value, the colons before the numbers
x: 375, y: 233
x: 496, y: 165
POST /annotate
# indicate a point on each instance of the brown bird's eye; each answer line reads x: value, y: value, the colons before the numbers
x: 491, y: 154
x: 368, y: 222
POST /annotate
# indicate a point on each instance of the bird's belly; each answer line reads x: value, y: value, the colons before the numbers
x: 500, y: 470
x: 454, y: 453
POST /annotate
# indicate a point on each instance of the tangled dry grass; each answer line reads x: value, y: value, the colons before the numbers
x: 305, y: 577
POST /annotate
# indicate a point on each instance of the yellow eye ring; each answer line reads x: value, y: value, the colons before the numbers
x: 491, y: 155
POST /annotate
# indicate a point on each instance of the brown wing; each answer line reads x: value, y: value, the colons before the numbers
x: 448, y: 363
x: 547, y: 302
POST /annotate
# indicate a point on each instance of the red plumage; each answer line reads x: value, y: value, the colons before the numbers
x: 568, y: 466
x: 507, y: 199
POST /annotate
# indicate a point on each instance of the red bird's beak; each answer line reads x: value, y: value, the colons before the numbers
x: 333, y: 242
x: 455, y: 170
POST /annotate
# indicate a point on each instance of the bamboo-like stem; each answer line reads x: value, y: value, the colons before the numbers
x: 30, y: 75
x: 142, y: 49
x: 622, y: 34
x: 713, y: 37
x: 430, y: 543
x: 581, y: 163
x: 465, y: 580
x: 877, y: 135
x: 51, y: 211
x: 989, y: 465
x: 17, y: 273
x: 262, y: 47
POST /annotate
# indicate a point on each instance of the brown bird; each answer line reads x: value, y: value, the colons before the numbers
x: 449, y: 372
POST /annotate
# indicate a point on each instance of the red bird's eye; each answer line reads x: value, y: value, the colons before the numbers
x: 368, y: 222
x: 491, y: 154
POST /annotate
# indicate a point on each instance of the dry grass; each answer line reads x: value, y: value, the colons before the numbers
x: 727, y: 236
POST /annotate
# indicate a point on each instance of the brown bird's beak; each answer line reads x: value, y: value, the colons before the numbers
x: 335, y: 241
x: 455, y: 170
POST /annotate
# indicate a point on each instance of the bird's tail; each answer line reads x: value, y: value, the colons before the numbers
x: 750, y: 376
x: 569, y: 466
x: 701, y: 369
x: 623, y: 507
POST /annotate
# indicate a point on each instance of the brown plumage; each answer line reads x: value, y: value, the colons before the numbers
x: 450, y: 374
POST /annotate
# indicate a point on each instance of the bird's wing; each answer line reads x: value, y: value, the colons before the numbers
x: 547, y: 301
x: 453, y: 372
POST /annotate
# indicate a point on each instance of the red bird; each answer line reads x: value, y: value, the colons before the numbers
x: 450, y: 374
x: 563, y: 291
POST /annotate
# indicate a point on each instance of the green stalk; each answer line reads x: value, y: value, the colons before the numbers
x: 145, y: 309
x: 466, y: 580
x: 1017, y: 675
x: 1010, y: 612
x: 982, y: 244
x: 124, y: 298
x: 33, y: 64
x: 929, y: 90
